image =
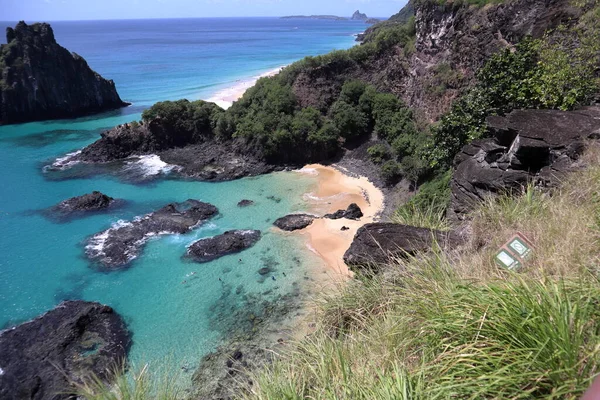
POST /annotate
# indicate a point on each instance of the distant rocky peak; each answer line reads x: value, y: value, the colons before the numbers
x: 24, y: 32
x: 358, y: 16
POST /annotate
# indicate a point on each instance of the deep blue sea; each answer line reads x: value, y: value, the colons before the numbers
x: 173, y: 314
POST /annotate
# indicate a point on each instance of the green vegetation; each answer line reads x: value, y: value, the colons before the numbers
x: 557, y: 72
x: 457, y: 326
x: 427, y: 208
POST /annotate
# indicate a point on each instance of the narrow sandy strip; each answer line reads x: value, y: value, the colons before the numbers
x: 335, y: 191
x: 225, y: 97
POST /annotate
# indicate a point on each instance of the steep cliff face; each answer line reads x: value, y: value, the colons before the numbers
x: 451, y: 41
x: 40, y: 80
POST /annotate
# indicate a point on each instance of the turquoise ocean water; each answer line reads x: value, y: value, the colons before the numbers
x: 43, y: 262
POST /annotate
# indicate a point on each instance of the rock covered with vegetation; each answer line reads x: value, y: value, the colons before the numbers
x: 42, y: 359
x: 39, y: 79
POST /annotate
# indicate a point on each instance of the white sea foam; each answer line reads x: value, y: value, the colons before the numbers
x: 64, y: 162
x: 95, y: 246
x: 308, y: 171
x: 150, y: 165
x: 1, y: 372
x: 313, y: 197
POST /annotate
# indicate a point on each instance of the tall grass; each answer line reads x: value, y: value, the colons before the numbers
x: 455, y: 325
x: 135, y: 385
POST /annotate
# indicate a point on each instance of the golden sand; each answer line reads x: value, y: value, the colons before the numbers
x: 336, y: 191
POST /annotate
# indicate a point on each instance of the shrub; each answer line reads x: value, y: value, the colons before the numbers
x: 378, y: 153
x: 390, y: 171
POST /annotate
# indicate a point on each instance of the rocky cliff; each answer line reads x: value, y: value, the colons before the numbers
x: 451, y: 41
x: 41, y: 80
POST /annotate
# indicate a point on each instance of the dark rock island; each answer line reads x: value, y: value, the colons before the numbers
x: 357, y: 16
x: 230, y: 242
x: 40, y: 359
x: 41, y: 80
x: 294, y: 222
x: 115, y: 247
x: 81, y: 205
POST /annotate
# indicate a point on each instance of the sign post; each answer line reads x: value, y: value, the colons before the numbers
x: 514, y: 252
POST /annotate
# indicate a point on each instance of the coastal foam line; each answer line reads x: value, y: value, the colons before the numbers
x: 224, y: 98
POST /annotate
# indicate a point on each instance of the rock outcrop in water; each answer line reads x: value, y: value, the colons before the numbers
x: 294, y: 222
x: 527, y: 147
x: 358, y: 16
x: 114, y: 248
x: 41, y: 80
x: 40, y: 359
x: 81, y: 205
x: 376, y: 244
x: 230, y: 242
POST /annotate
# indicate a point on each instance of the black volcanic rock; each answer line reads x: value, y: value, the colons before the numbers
x: 115, y: 247
x: 80, y: 205
x: 294, y: 222
x: 528, y: 146
x: 42, y: 80
x: 40, y: 359
x: 352, y: 212
x: 88, y: 202
x: 375, y: 244
x: 205, y: 250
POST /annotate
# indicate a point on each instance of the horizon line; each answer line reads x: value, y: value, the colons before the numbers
x: 179, y: 18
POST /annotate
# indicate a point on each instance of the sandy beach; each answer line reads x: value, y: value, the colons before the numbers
x: 225, y: 97
x: 335, y: 191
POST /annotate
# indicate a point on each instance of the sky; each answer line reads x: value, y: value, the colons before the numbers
x: 58, y: 10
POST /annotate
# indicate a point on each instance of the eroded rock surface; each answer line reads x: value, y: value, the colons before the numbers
x: 40, y: 359
x: 294, y: 222
x: 375, y: 244
x: 115, y: 247
x: 230, y: 242
x: 527, y: 146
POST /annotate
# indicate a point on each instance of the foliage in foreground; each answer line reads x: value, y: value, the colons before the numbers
x: 456, y: 326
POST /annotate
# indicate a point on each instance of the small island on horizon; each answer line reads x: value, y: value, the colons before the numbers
x: 357, y: 16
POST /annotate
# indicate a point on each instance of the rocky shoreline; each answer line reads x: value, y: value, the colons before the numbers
x: 42, y: 359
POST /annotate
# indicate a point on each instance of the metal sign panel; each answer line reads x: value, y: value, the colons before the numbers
x: 514, y: 252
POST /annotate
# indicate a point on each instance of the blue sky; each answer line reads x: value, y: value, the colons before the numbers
x: 52, y: 10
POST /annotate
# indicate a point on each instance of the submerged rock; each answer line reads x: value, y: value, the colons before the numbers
x: 230, y: 242
x: 528, y: 146
x: 378, y: 243
x: 294, y: 222
x: 40, y: 359
x: 115, y: 247
x: 42, y: 80
x: 245, y: 203
x: 352, y: 212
